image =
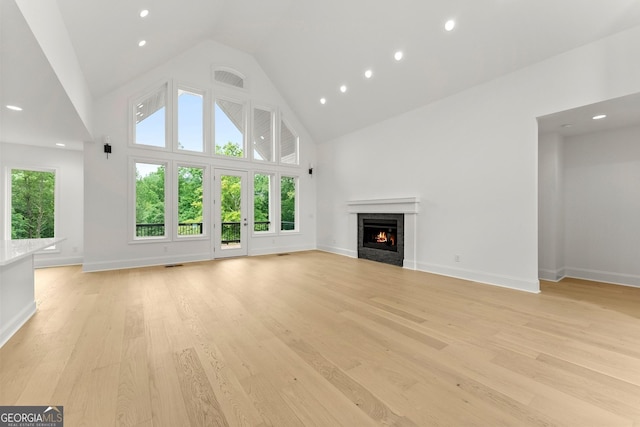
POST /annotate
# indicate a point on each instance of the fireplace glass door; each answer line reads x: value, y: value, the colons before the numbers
x: 380, y: 234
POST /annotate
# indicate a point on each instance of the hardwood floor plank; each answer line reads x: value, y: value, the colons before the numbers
x: 360, y: 396
x: 167, y: 403
x: 323, y: 340
x: 202, y: 406
x: 134, y: 400
x: 43, y: 379
x: 608, y: 393
x: 233, y: 400
x: 101, y: 401
x: 269, y: 402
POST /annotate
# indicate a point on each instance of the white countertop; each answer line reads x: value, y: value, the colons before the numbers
x: 14, y: 250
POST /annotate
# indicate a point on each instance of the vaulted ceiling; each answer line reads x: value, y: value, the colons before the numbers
x: 309, y: 49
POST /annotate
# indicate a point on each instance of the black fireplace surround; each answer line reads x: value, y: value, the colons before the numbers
x: 381, y: 237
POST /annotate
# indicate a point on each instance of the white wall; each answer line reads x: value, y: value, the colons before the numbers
x: 602, y: 206
x: 109, y: 201
x: 472, y: 159
x: 68, y: 165
x: 551, y: 207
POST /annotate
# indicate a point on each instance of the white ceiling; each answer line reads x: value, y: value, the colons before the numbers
x: 27, y: 80
x: 620, y: 112
x: 309, y: 49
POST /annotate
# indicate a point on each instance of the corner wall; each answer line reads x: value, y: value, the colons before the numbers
x: 472, y: 159
x: 551, y: 221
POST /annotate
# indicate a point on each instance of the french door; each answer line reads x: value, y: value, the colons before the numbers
x: 230, y: 213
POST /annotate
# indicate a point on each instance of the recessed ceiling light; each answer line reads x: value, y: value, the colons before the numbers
x: 60, y: 144
x: 343, y: 88
x: 450, y: 25
x: 142, y: 43
x: 600, y: 116
x: 398, y: 55
x: 14, y: 108
x: 368, y: 74
x: 144, y: 13
x: 567, y: 125
x: 323, y: 101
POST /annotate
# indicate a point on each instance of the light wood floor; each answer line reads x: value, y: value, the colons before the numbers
x: 322, y: 340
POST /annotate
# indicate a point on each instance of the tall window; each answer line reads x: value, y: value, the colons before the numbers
x: 288, y: 145
x: 190, y: 198
x: 262, y: 135
x: 262, y: 202
x: 150, y: 114
x: 150, y: 200
x: 190, y: 121
x: 288, y: 203
x: 32, y: 204
x: 229, y: 122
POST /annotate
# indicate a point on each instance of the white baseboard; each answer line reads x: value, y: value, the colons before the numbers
x: 532, y: 286
x: 56, y: 262
x: 551, y: 275
x: 89, y: 267
x: 502, y: 281
x: 338, y: 251
x: 16, y: 323
x: 410, y: 264
x: 280, y: 250
x: 604, y: 276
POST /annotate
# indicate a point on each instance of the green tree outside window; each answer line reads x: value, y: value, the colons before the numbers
x: 32, y: 204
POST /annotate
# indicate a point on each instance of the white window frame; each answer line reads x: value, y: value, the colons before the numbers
x: 206, y: 202
x: 168, y: 200
x: 56, y: 200
x: 168, y: 119
x: 206, y: 119
x: 297, y: 137
x: 272, y: 208
x: 297, y: 179
x: 274, y: 133
x: 245, y: 125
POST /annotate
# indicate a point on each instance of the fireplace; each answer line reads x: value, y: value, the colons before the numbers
x: 381, y: 237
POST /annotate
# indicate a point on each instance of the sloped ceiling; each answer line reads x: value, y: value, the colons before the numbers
x: 28, y: 81
x: 309, y: 49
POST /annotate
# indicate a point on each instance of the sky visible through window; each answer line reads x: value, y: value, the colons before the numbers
x: 190, y: 121
x: 151, y: 130
x: 145, y: 169
x: 226, y: 131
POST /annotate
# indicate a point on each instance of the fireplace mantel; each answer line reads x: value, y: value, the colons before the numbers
x: 406, y: 205
x: 400, y: 205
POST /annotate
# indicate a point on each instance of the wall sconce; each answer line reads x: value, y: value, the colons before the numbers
x: 107, y: 145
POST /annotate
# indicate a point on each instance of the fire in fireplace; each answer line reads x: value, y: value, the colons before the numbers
x: 380, y: 234
x: 381, y: 237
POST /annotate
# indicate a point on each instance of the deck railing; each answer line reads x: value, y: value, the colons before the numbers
x: 155, y: 230
x: 230, y: 231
